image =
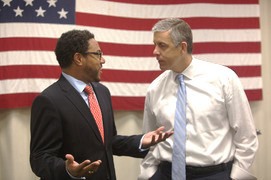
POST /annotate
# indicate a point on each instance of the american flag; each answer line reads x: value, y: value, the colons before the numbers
x: 226, y: 32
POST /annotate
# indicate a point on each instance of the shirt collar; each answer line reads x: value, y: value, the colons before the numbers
x: 188, y: 72
x: 76, y: 83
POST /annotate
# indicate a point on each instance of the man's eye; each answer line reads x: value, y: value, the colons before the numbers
x: 162, y: 45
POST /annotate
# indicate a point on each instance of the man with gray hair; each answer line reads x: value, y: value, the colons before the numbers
x: 219, y: 135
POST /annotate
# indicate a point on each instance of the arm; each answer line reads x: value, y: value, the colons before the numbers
x: 46, y: 140
x: 130, y: 145
x: 149, y: 164
x: 46, y: 156
x: 245, y: 137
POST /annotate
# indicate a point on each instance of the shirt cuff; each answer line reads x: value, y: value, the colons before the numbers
x: 73, y: 176
x: 140, y: 145
x: 238, y: 173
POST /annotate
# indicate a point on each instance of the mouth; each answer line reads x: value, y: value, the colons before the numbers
x: 159, y: 61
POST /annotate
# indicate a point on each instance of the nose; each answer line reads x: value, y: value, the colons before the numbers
x: 155, y: 51
x: 102, y: 60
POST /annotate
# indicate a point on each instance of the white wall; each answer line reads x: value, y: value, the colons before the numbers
x: 15, y: 135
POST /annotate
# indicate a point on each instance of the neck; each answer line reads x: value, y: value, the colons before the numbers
x: 184, y: 63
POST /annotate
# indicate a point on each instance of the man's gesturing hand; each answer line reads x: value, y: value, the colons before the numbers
x: 84, y: 169
x: 154, y: 137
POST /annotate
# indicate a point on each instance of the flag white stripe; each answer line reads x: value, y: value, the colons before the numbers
x: 125, y: 63
x: 27, y: 58
x: 22, y: 85
x: 124, y: 36
x: 242, y: 59
x: 226, y: 35
x: 127, y: 89
x: 162, y: 11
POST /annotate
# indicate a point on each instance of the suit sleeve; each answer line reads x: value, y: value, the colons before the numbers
x: 128, y: 146
x: 46, y: 141
x: 123, y: 145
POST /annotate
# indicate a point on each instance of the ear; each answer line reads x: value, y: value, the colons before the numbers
x: 77, y: 58
x: 183, y: 46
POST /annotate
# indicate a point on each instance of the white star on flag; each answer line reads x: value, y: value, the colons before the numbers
x: 52, y: 3
x: 18, y: 11
x: 28, y: 2
x: 40, y: 12
x: 62, y: 13
x: 6, y: 2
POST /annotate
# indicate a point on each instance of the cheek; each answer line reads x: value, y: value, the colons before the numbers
x: 92, y: 65
x: 170, y: 58
x: 89, y: 68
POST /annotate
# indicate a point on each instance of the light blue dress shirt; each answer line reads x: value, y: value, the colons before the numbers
x: 78, y: 85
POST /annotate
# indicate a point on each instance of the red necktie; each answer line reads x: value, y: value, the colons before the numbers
x: 95, y: 109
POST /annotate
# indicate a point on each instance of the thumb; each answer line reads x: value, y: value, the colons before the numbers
x: 69, y: 158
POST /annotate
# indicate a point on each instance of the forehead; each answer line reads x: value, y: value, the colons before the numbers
x: 163, y: 37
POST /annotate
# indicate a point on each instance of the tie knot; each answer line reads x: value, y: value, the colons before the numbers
x: 88, y: 90
x: 180, y: 78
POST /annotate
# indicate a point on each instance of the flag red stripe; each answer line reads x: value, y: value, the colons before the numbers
x: 157, y: 2
x: 128, y: 103
x: 108, y: 75
x: 129, y: 76
x: 114, y: 22
x: 24, y: 44
x: 29, y: 71
x: 254, y: 95
x: 227, y: 47
x: 18, y: 100
x: 119, y: 103
x: 140, y: 50
x: 247, y: 71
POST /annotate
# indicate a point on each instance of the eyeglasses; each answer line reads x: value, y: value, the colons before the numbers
x: 98, y: 53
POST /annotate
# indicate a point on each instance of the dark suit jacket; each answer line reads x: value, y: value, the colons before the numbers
x: 62, y: 123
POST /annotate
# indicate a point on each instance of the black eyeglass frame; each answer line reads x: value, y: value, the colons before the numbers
x: 98, y: 53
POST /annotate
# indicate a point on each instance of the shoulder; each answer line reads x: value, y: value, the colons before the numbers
x: 99, y: 87
x: 161, y: 79
x: 214, y: 68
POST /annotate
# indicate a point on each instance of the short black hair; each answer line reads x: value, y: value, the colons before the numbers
x: 69, y: 43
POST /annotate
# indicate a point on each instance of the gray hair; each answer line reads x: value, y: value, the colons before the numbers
x: 179, y: 31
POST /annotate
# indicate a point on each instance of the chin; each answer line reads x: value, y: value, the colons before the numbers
x: 98, y: 79
x: 163, y: 68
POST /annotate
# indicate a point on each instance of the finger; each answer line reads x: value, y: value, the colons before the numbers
x: 153, y: 140
x: 163, y: 137
x: 160, y: 130
x: 168, y: 134
x: 93, y: 167
x: 69, y: 158
x: 160, y: 137
x: 84, y: 164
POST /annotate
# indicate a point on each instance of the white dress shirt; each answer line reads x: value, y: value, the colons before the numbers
x: 220, y: 125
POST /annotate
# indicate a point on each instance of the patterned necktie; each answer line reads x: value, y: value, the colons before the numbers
x: 95, y: 109
x: 178, y: 154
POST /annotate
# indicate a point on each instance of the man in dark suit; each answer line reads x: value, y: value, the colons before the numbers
x: 65, y: 140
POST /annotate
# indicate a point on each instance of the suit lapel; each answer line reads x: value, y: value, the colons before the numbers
x: 78, y: 102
